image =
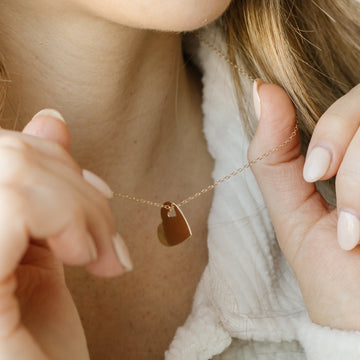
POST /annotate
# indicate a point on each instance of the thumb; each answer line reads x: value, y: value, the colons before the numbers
x: 291, y: 201
x: 49, y: 124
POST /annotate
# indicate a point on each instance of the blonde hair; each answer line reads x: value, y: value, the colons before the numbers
x: 309, y: 47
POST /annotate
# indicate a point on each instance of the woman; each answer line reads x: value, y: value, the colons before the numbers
x: 125, y: 92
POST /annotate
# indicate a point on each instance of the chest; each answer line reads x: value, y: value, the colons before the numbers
x: 136, y: 316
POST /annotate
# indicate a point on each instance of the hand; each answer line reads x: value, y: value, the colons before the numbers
x: 49, y: 214
x: 305, y: 225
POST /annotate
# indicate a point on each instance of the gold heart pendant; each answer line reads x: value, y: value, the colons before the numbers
x: 174, y: 229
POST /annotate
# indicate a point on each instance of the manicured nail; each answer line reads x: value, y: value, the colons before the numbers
x: 122, y: 252
x: 98, y: 183
x: 256, y: 97
x: 50, y: 112
x: 92, y: 248
x: 348, y: 230
x: 317, y: 164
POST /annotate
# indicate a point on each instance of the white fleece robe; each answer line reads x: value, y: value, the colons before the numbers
x: 248, y: 304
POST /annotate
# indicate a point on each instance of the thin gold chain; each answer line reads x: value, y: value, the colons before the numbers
x: 222, y: 55
x: 218, y: 182
x: 226, y: 177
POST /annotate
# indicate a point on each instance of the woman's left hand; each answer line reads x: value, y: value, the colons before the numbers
x: 315, y: 237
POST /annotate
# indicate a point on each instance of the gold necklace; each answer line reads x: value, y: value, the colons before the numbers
x: 175, y: 228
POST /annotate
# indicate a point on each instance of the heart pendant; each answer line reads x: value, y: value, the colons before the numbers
x: 174, y: 229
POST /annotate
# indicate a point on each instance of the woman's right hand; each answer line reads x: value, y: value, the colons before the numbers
x: 49, y: 215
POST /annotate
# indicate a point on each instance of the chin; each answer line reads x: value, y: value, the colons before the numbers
x: 190, y: 15
x: 168, y: 15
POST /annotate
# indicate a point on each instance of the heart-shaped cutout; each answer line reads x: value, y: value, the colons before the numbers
x: 174, y: 229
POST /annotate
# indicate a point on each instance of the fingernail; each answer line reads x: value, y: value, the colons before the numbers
x: 256, y: 97
x: 122, y: 252
x: 50, y: 112
x: 92, y: 248
x: 348, y: 230
x: 98, y: 183
x: 317, y: 164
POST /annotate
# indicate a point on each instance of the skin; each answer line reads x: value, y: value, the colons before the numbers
x: 115, y: 104
x: 114, y: 116
x: 305, y: 224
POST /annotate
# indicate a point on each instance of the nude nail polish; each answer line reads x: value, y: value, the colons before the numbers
x: 122, y: 252
x: 256, y: 97
x: 50, y: 112
x: 348, y: 230
x: 98, y: 183
x: 317, y: 164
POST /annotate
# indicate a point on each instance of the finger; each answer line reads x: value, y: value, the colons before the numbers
x: 332, y: 136
x: 65, y: 227
x: 12, y: 333
x: 74, y: 228
x: 107, y: 264
x: 98, y: 183
x: 348, y: 196
x: 100, y: 221
x: 74, y: 245
x: 90, y: 230
x: 13, y: 233
x: 49, y: 124
x: 52, y: 136
x: 25, y: 142
x: 84, y: 231
x: 294, y: 204
x: 54, y: 192
x: 18, y: 158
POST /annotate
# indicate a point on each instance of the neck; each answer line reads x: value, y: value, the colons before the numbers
x: 123, y: 92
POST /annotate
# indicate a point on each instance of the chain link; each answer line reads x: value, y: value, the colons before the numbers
x: 231, y: 63
x: 226, y: 177
x: 140, y: 200
x: 218, y: 182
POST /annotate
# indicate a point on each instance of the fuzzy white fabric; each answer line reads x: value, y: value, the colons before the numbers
x: 248, y: 291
